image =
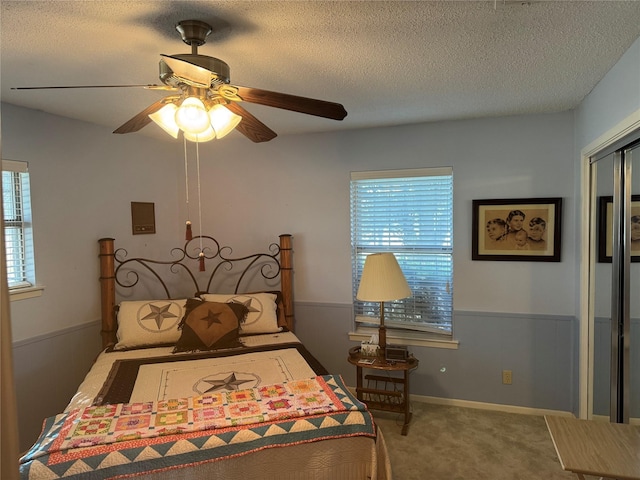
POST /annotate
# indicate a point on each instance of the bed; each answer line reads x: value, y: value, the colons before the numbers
x: 204, y: 384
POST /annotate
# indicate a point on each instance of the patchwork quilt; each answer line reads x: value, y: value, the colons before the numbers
x: 125, y: 439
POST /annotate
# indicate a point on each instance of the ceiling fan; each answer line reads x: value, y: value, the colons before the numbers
x: 202, y: 84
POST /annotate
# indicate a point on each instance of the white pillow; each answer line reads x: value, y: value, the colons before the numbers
x: 149, y: 322
x: 262, y: 316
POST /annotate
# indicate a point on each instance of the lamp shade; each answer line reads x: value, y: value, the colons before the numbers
x: 165, y: 118
x: 223, y: 120
x: 382, y: 279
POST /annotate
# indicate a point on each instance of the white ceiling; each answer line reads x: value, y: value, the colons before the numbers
x: 387, y: 62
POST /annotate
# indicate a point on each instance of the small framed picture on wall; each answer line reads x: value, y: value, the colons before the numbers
x: 522, y: 229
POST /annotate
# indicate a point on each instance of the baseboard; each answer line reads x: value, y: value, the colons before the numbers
x: 489, y: 406
x: 453, y: 402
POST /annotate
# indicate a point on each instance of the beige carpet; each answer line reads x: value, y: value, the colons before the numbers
x: 454, y: 443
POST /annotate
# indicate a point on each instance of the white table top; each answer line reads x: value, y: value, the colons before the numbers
x: 599, y: 448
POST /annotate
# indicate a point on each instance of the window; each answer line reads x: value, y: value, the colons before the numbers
x: 18, y: 235
x: 408, y: 213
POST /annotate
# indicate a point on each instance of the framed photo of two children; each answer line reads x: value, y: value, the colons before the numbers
x: 521, y: 229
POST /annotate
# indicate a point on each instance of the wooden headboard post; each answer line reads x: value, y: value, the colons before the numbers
x: 286, y: 278
x: 108, y: 291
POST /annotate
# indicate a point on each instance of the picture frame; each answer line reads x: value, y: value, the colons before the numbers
x: 533, y: 234
x: 605, y: 228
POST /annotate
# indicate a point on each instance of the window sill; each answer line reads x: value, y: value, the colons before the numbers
x: 406, y: 338
x: 26, y: 292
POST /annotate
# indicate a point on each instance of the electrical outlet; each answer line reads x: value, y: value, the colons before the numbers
x: 506, y: 377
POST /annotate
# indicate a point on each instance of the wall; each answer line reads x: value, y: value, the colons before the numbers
x: 83, y: 179
x: 306, y: 180
x: 616, y: 97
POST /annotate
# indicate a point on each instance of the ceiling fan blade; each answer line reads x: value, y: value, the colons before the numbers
x: 250, y: 126
x: 310, y: 106
x: 150, y: 86
x: 142, y: 119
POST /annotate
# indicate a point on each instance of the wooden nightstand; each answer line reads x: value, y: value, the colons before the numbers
x: 385, y: 394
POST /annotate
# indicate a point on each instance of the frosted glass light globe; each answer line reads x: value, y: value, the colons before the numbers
x: 192, y: 116
x: 223, y: 120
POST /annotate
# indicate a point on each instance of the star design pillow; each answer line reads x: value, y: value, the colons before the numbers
x: 148, y: 323
x: 262, y: 314
x: 210, y: 325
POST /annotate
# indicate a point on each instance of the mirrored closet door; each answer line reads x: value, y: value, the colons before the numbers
x: 615, y: 281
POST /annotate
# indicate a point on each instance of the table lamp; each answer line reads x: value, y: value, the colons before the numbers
x: 382, y: 280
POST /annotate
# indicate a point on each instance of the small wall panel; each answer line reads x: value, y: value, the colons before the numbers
x: 143, y: 218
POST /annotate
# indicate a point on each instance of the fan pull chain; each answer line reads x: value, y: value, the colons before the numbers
x: 201, y: 255
x: 188, y: 234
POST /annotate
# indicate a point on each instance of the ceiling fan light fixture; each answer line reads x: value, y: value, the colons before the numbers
x: 192, y: 117
x: 165, y: 119
x: 223, y: 120
x: 202, y: 81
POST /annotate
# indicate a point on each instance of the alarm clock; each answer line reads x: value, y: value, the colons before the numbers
x: 396, y: 353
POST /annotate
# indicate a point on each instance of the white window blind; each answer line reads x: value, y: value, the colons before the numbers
x: 408, y: 213
x: 18, y: 236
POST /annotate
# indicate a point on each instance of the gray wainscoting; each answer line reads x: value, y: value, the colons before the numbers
x: 540, y: 350
x: 47, y: 371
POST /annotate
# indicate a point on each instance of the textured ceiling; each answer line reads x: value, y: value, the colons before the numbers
x: 387, y: 62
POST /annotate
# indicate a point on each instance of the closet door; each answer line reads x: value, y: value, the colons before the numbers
x: 615, y: 284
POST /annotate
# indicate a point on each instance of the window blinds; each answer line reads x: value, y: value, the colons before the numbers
x: 408, y: 213
x: 17, y: 223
